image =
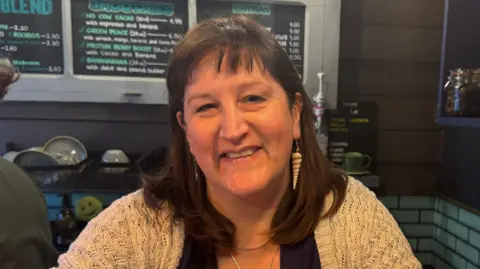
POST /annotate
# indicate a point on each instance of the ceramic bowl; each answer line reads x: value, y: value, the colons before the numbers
x: 36, y: 157
x: 66, y: 150
x: 115, y: 156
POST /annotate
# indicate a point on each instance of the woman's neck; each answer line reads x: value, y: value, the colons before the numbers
x: 251, y: 215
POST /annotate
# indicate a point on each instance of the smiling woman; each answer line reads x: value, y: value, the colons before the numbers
x: 247, y: 185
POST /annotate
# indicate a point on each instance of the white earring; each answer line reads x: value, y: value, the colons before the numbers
x: 296, y: 163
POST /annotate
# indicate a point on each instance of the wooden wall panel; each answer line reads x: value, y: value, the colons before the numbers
x: 96, y: 136
x: 414, y: 147
x: 405, y: 113
x: 388, y: 78
x: 412, y: 44
x: 426, y: 13
x: 390, y: 53
x: 408, y: 179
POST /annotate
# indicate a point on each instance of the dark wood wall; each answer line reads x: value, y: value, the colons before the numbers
x: 132, y: 128
x: 390, y: 53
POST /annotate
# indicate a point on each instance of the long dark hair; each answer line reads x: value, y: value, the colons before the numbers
x: 239, y: 42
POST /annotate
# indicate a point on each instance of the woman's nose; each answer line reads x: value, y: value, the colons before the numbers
x: 233, y: 127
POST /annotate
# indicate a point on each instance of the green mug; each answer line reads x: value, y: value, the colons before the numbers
x: 355, y: 162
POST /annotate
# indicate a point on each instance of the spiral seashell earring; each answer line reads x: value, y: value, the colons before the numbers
x: 296, y: 163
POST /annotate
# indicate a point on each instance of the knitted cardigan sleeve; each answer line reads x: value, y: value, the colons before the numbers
x: 386, y: 246
x: 103, y: 244
x: 363, y: 234
x: 383, y: 244
x: 127, y: 234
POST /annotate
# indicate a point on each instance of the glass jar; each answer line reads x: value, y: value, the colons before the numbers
x: 454, y: 91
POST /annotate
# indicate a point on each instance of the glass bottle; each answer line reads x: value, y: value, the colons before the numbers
x: 65, y: 225
x: 454, y: 91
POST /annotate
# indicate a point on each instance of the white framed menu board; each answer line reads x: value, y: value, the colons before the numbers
x: 117, y: 51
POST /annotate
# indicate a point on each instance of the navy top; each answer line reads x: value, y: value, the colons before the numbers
x: 303, y: 255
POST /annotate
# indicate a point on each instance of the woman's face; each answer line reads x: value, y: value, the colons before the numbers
x: 240, y: 129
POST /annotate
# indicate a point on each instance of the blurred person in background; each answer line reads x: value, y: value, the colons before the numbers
x: 25, y: 235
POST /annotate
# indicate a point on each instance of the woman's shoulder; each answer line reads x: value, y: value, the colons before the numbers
x: 127, y: 232
x: 358, y: 198
x: 353, y: 215
x: 132, y: 208
x: 359, y: 206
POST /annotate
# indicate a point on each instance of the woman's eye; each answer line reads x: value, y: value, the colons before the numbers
x: 253, y: 99
x: 205, y: 107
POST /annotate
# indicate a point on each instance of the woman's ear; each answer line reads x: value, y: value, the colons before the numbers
x: 181, y: 122
x: 296, y: 114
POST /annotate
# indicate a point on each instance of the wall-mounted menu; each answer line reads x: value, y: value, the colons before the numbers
x: 31, y: 35
x: 126, y: 38
x: 285, y: 21
x: 353, y: 127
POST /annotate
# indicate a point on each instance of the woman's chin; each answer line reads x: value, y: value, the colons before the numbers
x: 246, y: 188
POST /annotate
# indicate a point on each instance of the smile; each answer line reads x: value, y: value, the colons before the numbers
x: 244, y: 156
x: 245, y: 153
x: 90, y: 214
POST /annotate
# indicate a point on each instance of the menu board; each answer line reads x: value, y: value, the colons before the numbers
x: 31, y: 35
x: 353, y: 127
x: 285, y: 21
x: 126, y: 38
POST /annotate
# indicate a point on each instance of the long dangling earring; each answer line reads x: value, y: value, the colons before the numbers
x: 195, y: 168
x: 296, y: 163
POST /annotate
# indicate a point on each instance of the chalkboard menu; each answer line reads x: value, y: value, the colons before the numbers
x: 31, y: 35
x: 126, y: 38
x: 285, y: 21
x: 353, y: 127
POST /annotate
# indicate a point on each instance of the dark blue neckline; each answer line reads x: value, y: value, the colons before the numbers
x: 303, y: 255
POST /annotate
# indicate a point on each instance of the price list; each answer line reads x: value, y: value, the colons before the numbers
x: 31, y: 35
x: 126, y: 38
x: 286, y: 22
x: 352, y: 127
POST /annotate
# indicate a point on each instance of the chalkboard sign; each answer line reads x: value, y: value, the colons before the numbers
x: 285, y: 21
x: 353, y: 127
x: 31, y: 35
x: 126, y: 38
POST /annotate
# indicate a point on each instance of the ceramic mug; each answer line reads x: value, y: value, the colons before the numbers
x: 355, y: 162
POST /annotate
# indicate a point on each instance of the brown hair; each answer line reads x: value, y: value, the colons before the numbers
x: 239, y: 42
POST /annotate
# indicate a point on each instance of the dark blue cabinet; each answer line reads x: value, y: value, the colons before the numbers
x: 460, y: 49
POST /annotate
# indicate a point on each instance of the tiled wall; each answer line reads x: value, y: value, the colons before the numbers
x: 441, y: 233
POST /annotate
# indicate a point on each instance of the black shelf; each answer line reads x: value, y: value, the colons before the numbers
x: 459, y: 122
x: 96, y: 183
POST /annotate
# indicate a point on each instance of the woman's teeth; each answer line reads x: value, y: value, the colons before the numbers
x: 245, y: 153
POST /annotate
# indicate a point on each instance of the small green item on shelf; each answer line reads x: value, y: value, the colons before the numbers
x: 88, y: 208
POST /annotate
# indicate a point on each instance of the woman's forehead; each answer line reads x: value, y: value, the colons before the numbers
x: 208, y: 79
x: 227, y: 61
x: 210, y: 68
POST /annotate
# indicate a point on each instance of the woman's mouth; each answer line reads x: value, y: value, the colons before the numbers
x: 241, y: 155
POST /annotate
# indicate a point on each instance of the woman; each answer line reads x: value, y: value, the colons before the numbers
x: 248, y: 186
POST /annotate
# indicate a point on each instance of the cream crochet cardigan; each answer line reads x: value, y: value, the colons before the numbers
x: 128, y: 234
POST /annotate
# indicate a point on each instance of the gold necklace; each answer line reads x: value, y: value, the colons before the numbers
x: 271, y: 262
